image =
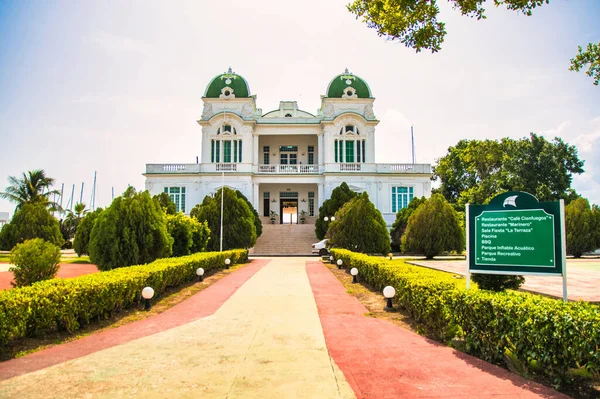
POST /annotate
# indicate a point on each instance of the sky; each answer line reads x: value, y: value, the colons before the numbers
x: 110, y: 86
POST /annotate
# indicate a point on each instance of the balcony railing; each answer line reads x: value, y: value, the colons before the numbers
x: 288, y: 169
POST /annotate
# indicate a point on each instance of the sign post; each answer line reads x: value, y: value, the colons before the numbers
x: 515, y: 234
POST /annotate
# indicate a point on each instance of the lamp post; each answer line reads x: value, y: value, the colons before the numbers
x: 227, y: 263
x: 147, y: 294
x: 389, y: 292
x: 200, y: 274
x: 340, y: 263
x: 330, y: 258
x: 354, y: 273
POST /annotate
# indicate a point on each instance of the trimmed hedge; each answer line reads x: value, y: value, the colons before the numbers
x: 549, y: 337
x: 67, y: 304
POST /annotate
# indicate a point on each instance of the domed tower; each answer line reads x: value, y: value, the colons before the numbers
x: 348, y: 121
x: 228, y: 120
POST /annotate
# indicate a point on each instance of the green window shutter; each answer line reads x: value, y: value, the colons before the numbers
x: 212, y: 151
x: 235, y: 151
x: 336, y: 151
x: 349, y: 151
x: 394, y: 206
x: 226, y: 151
x: 364, y: 157
x: 358, y: 153
x: 240, y: 148
x: 217, y: 151
x: 182, y: 200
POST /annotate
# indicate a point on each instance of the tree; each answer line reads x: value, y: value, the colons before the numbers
x: 31, y: 221
x: 360, y: 227
x: 591, y: 57
x: 582, y: 230
x: 257, y: 222
x: 339, y: 197
x: 166, y: 204
x: 239, y: 230
x: 475, y: 171
x: 32, y: 188
x: 401, y: 222
x: 34, y: 260
x: 131, y: 231
x: 433, y: 228
x: 596, y: 212
x: 83, y: 232
x: 189, y: 235
x: 68, y: 225
x: 415, y: 23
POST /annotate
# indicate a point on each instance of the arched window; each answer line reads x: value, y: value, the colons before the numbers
x: 227, y: 129
x: 349, y: 129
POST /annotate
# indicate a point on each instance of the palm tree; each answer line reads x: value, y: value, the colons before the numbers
x: 32, y: 188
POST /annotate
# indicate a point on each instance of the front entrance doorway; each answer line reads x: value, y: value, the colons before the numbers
x: 289, y: 211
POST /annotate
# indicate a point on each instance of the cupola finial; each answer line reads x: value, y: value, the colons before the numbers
x: 346, y: 71
x: 229, y: 70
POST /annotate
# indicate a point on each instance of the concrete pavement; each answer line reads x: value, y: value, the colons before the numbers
x: 266, y: 341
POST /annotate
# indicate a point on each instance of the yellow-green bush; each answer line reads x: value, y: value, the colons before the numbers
x: 67, y: 304
x: 548, y: 336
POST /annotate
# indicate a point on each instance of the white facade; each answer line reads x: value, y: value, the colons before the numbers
x: 4, y: 218
x: 288, y: 161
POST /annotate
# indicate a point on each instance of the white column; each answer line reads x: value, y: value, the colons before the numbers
x: 255, y: 150
x: 255, y: 192
x: 320, y: 199
x: 320, y: 150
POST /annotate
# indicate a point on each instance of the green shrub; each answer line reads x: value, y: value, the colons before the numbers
x: 132, y: 230
x: 360, y: 227
x: 189, y: 235
x: 433, y: 228
x: 31, y: 221
x: 399, y: 226
x: 67, y: 304
x: 495, y: 282
x: 84, y: 230
x: 339, y: 196
x: 580, y: 225
x: 34, y: 260
x: 167, y: 205
x: 549, y: 336
x: 239, y: 230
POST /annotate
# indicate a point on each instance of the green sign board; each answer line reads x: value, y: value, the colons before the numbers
x: 515, y: 234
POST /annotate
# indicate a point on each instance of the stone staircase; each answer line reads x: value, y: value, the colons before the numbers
x: 285, y: 239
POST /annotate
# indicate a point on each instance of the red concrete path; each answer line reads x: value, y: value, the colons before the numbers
x: 202, y: 304
x: 381, y: 360
x: 66, y: 270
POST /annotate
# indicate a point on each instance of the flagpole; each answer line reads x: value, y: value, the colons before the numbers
x: 222, y: 186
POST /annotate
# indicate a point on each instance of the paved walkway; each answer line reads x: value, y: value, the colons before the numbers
x: 583, y: 278
x: 276, y: 328
x: 66, y: 270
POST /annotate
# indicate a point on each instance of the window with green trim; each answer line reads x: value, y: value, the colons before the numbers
x: 336, y: 150
x: 401, y: 197
x: 311, y: 155
x: 349, y: 151
x: 218, y: 151
x: 311, y: 203
x: 177, y: 195
x: 226, y: 151
x: 212, y: 151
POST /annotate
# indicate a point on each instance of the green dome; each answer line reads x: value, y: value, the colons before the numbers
x: 228, y: 79
x: 340, y: 83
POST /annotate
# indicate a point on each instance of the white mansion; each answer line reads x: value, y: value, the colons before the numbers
x: 288, y: 161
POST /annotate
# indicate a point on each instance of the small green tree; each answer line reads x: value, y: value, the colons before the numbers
x: 133, y: 230
x: 433, y: 228
x: 580, y: 223
x: 239, y: 230
x: 34, y: 260
x: 31, y: 221
x: 596, y: 212
x: 495, y: 282
x: 360, y: 227
x: 166, y: 204
x: 401, y: 222
x: 189, y: 235
x: 84, y: 229
x: 257, y: 222
x: 339, y: 196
